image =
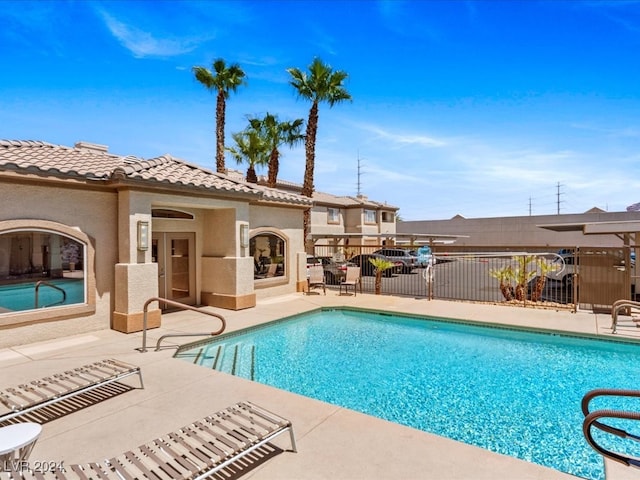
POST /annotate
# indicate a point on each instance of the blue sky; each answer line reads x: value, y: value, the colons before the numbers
x: 478, y: 108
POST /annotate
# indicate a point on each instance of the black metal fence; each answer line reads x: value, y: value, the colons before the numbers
x: 560, y: 277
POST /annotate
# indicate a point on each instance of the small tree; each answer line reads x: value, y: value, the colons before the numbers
x: 380, y: 265
x: 523, y: 274
x: 504, y: 276
x: 250, y: 149
x: 544, y: 267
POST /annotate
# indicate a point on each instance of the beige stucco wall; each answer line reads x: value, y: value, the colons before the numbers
x: 289, y: 226
x: 94, y: 213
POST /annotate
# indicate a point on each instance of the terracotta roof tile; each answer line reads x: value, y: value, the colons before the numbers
x: 91, y: 161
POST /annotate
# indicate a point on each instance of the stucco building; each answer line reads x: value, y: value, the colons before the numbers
x: 88, y: 236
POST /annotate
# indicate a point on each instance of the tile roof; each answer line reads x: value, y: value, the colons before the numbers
x: 93, y: 162
x: 330, y: 199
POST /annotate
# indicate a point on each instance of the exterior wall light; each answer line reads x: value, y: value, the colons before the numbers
x: 244, y: 235
x: 143, y: 235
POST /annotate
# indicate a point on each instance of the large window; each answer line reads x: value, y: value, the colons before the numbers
x: 269, y: 252
x: 40, y: 269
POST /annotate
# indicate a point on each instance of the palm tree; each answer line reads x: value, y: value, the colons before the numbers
x: 252, y: 150
x: 322, y: 84
x: 223, y: 79
x: 275, y: 134
x: 379, y: 266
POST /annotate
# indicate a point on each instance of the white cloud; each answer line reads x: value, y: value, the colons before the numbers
x: 144, y: 44
x: 403, y: 139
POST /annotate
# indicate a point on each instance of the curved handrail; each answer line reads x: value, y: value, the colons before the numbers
x: 592, y: 420
x: 617, y: 306
x: 39, y: 283
x: 179, y: 305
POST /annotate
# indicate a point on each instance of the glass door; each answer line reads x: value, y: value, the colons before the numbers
x: 174, y: 254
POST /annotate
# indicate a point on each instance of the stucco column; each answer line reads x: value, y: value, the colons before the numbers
x: 136, y: 277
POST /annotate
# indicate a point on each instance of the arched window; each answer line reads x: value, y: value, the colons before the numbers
x: 41, y: 269
x: 269, y: 253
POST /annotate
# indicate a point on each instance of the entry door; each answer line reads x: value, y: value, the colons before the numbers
x: 175, y: 255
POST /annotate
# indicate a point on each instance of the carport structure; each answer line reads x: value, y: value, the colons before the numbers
x: 600, y: 284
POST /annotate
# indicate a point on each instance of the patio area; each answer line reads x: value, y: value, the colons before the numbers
x: 333, y: 442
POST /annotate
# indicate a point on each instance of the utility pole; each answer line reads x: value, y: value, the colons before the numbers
x: 529, y: 206
x: 558, y: 198
x: 359, y: 191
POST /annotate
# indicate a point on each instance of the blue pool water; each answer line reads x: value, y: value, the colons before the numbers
x: 21, y: 296
x: 508, y: 391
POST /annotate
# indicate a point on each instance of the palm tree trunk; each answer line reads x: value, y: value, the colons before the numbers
x: 538, y: 288
x: 378, y: 282
x: 310, y: 151
x: 220, y: 121
x: 507, y: 291
x: 251, y: 175
x: 274, y: 166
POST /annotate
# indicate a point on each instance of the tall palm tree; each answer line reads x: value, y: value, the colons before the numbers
x: 321, y: 84
x: 275, y: 134
x: 252, y: 150
x: 223, y: 79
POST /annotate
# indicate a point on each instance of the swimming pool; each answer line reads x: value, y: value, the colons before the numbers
x: 512, y: 392
x: 21, y: 296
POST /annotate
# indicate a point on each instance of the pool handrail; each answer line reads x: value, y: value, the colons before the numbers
x: 592, y: 419
x: 184, y: 307
x: 617, y: 306
x: 39, y: 283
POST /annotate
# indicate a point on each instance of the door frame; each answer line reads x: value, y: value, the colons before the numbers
x: 162, y: 254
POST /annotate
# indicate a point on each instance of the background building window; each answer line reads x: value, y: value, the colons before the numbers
x: 269, y: 253
x: 370, y: 216
x: 40, y: 269
x: 333, y: 215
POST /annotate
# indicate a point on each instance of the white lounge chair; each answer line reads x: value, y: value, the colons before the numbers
x: 37, y: 394
x: 196, y: 451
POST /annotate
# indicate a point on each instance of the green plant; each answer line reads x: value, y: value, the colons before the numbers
x: 523, y: 274
x: 504, y: 276
x: 380, y: 265
x: 544, y: 267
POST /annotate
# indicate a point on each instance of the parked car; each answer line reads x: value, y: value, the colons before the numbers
x: 311, y: 262
x: 398, y: 254
x: 367, y: 269
x: 423, y: 255
x: 334, y: 272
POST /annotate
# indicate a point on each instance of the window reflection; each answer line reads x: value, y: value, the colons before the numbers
x: 40, y: 269
x: 268, y: 252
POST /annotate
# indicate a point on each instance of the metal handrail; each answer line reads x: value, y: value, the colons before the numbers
x: 592, y: 420
x: 39, y: 283
x: 178, y: 305
x: 617, y: 306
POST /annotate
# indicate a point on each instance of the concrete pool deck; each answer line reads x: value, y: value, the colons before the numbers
x: 333, y: 442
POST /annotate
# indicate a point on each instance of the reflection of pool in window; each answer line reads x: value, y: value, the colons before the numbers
x: 40, y: 269
x: 50, y: 293
x: 268, y: 252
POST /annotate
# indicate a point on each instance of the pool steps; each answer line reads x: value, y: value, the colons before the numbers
x: 235, y: 359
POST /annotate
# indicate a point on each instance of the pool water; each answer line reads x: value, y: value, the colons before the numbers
x: 21, y: 296
x: 513, y: 392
